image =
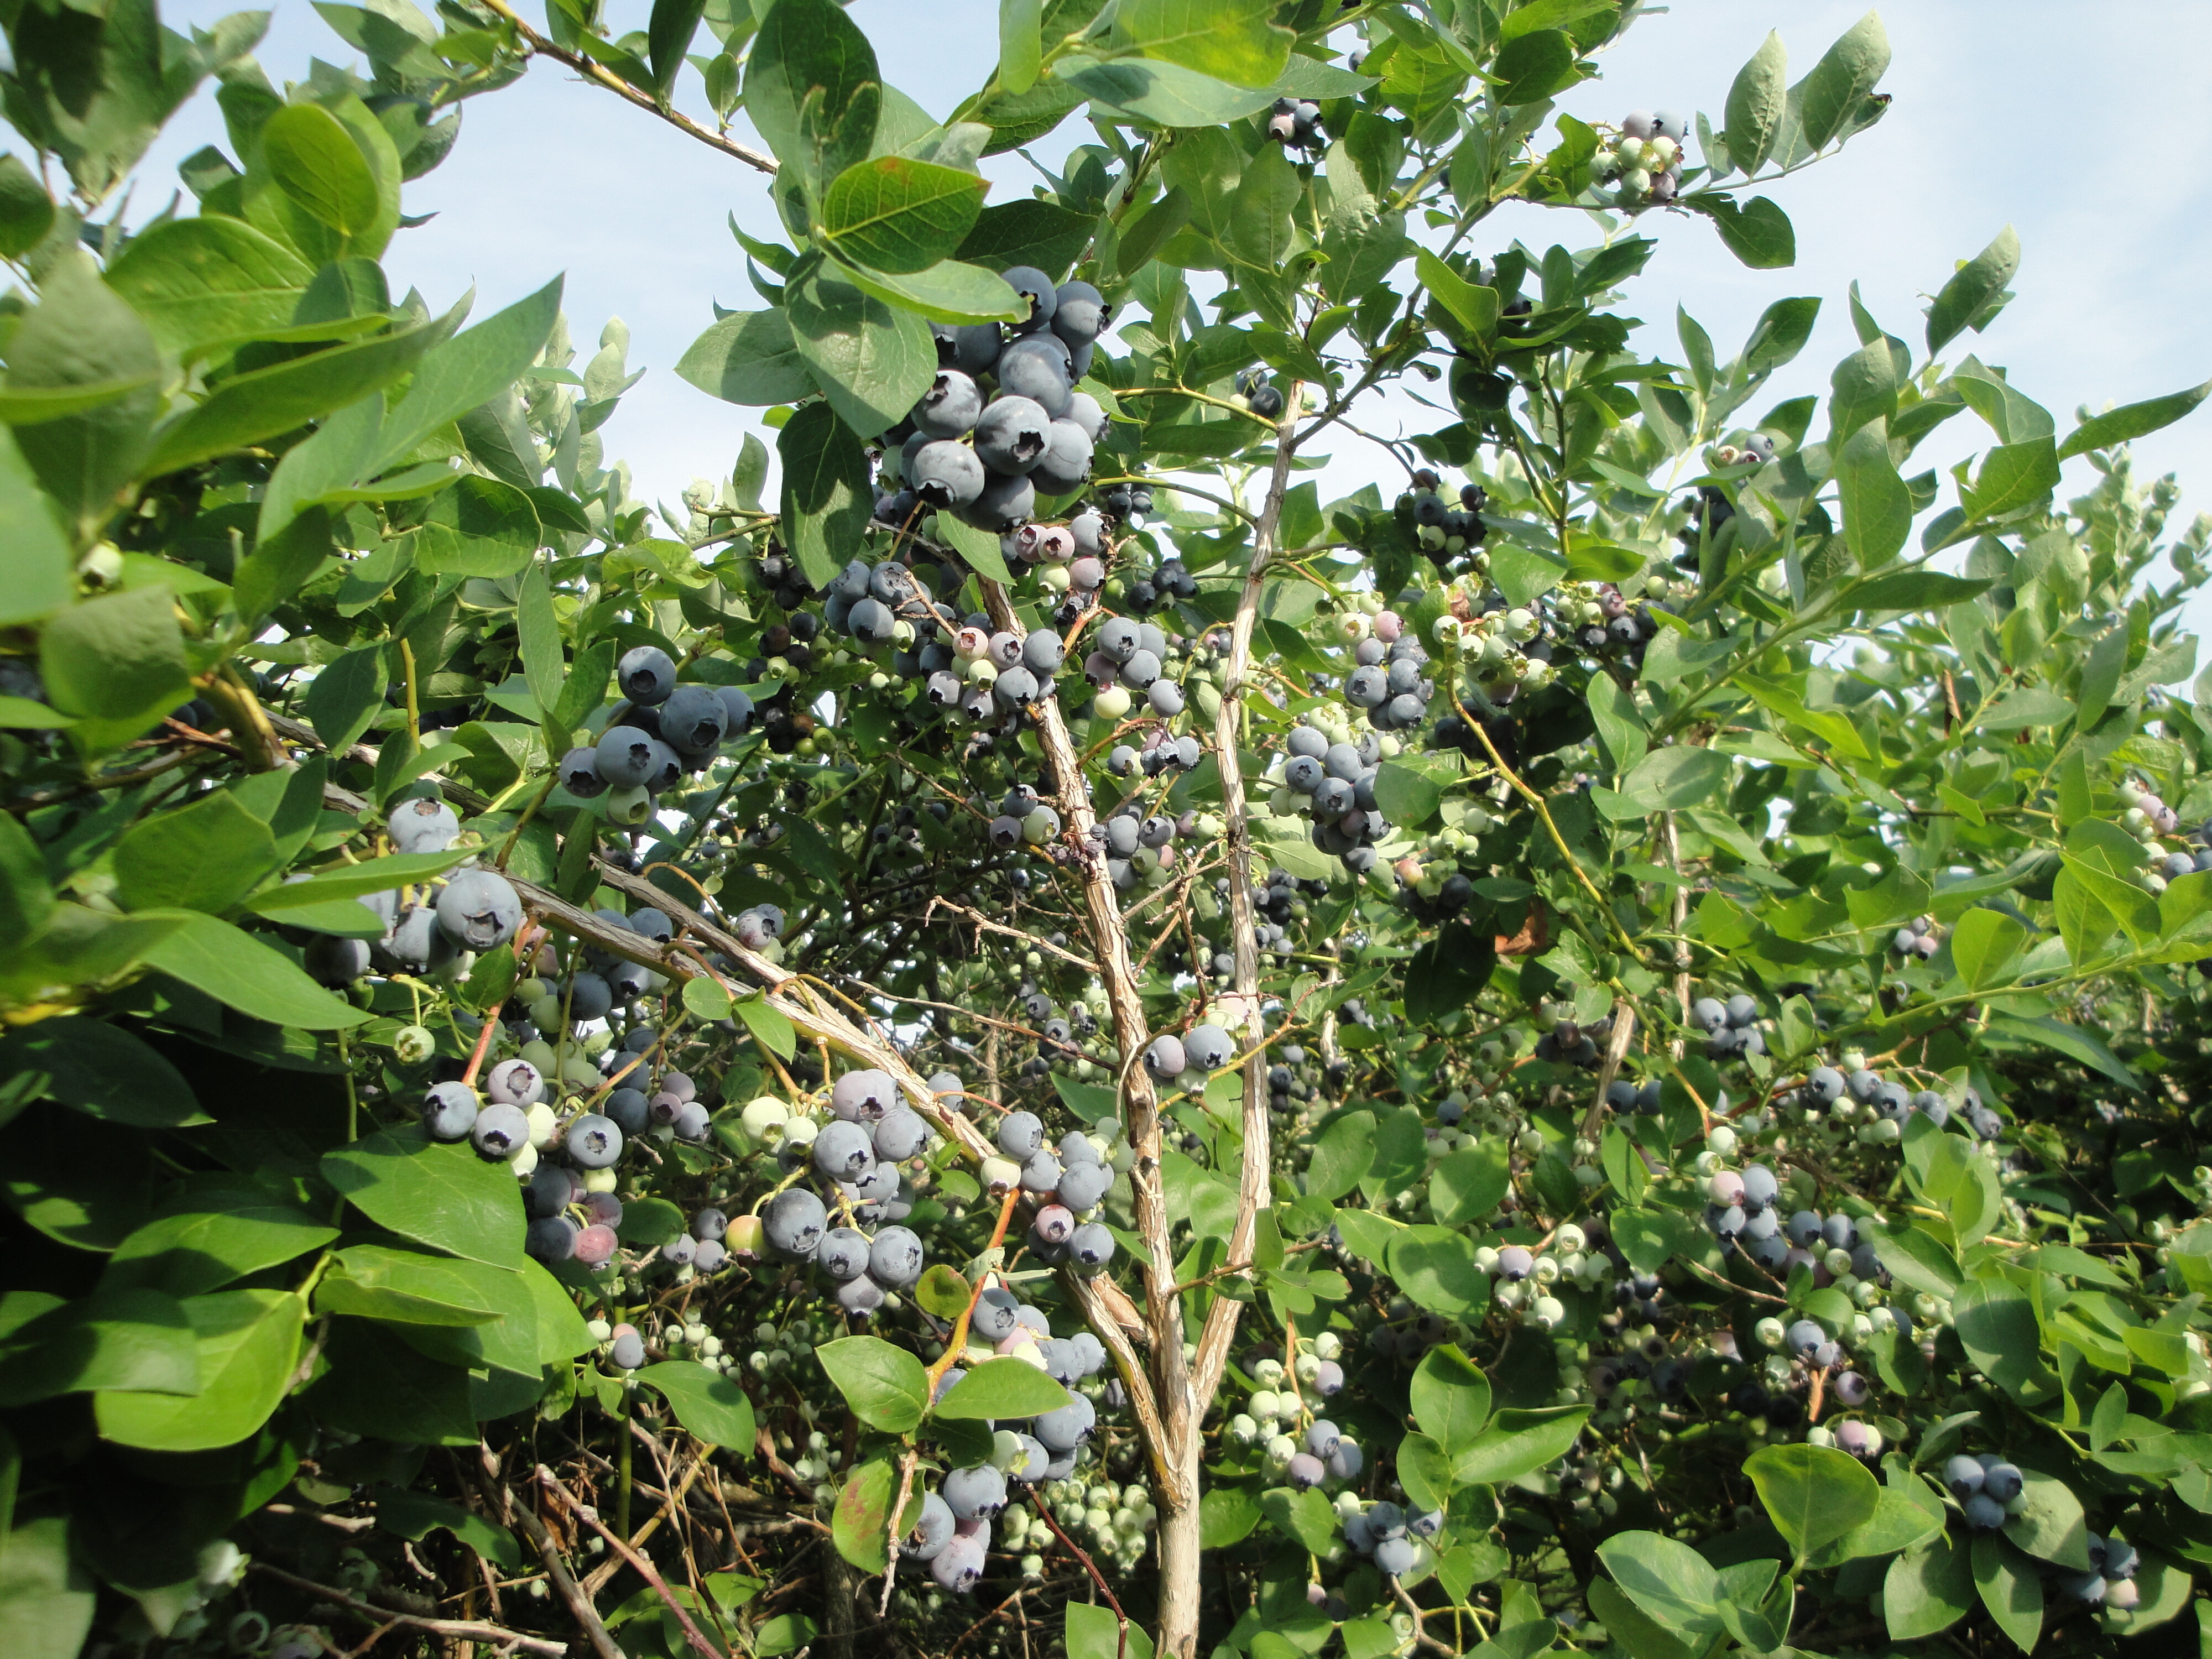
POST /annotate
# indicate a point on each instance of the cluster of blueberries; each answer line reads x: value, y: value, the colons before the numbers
x: 1644, y: 163
x: 1296, y: 124
x: 1139, y: 848
x: 1827, y: 1086
x: 475, y: 909
x: 1067, y: 1182
x: 661, y: 732
x: 1187, y: 1060
x: 1127, y: 660
x: 953, y: 1534
x: 1443, y: 531
x: 1918, y: 938
x: 870, y: 1133
x: 1570, y: 1042
x: 1388, y: 682
x: 988, y: 458
x: 1731, y: 1028
x: 1334, y: 785
x: 1395, y: 1541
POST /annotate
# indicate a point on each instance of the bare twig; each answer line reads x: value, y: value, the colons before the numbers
x: 466, y: 1630
x: 606, y: 77
x: 646, y: 1569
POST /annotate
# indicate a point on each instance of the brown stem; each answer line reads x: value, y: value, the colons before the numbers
x: 1254, y: 1174
x: 621, y: 1547
x: 468, y: 1630
x: 564, y: 1585
x: 622, y: 88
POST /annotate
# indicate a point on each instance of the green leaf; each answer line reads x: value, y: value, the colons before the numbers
x: 1928, y: 1589
x: 1435, y: 1267
x: 1516, y: 1442
x: 1997, y: 1326
x: 872, y: 362
x: 1756, y: 101
x: 266, y: 403
x: 860, y: 1525
x: 414, y: 1515
x: 942, y: 1291
x: 1916, y: 1258
x: 1915, y: 590
x: 239, y: 970
x: 1474, y: 307
x: 248, y: 1343
x: 26, y: 213
x: 1532, y: 67
x: 436, y: 1193
x: 1002, y: 1387
x: 2010, y: 1589
x: 2013, y: 476
x: 348, y: 881
x: 1304, y: 1515
x: 80, y: 340
x: 2050, y: 1525
x: 1021, y: 47
x: 812, y: 90
x: 316, y: 162
x: 1096, y: 1633
x: 1450, y: 1398
x: 748, y: 358
x: 137, y: 1338
x: 105, y: 1071
x: 1469, y: 1183
x: 829, y: 489
x: 1899, y: 1522
x: 1877, y: 506
x: 1235, y: 40
x: 413, y: 1287
x: 209, y: 282
x: 1815, y: 1494
x: 886, y: 1386
x: 200, y: 1250
x: 668, y: 37
x: 1759, y: 233
x: 118, y: 659
x: 1676, y: 776
x: 480, y: 527
x: 2132, y: 421
x: 769, y: 1024
x: 712, y: 1408
x: 47, y: 1591
x: 948, y: 292
x: 1227, y: 1516
x: 705, y: 1000
x: 1831, y: 95
x: 39, y: 577
x: 1863, y: 389
x: 1971, y: 297
x: 207, y: 856
x: 1669, y: 1581
x: 1341, y: 1156
x: 1160, y: 95
x: 2071, y: 1040
x: 1027, y: 233
x: 897, y: 215
x: 345, y: 697
x: 468, y: 371
x: 1982, y: 945
x: 1642, y: 1636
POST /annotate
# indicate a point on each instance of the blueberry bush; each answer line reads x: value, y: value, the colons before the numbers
x: 1016, y: 1028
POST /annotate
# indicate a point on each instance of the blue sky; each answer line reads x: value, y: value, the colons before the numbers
x: 2085, y: 137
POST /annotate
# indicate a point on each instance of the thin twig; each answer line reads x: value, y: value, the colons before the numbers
x: 467, y: 1630
x: 621, y: 1547
x: 614, y: 83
